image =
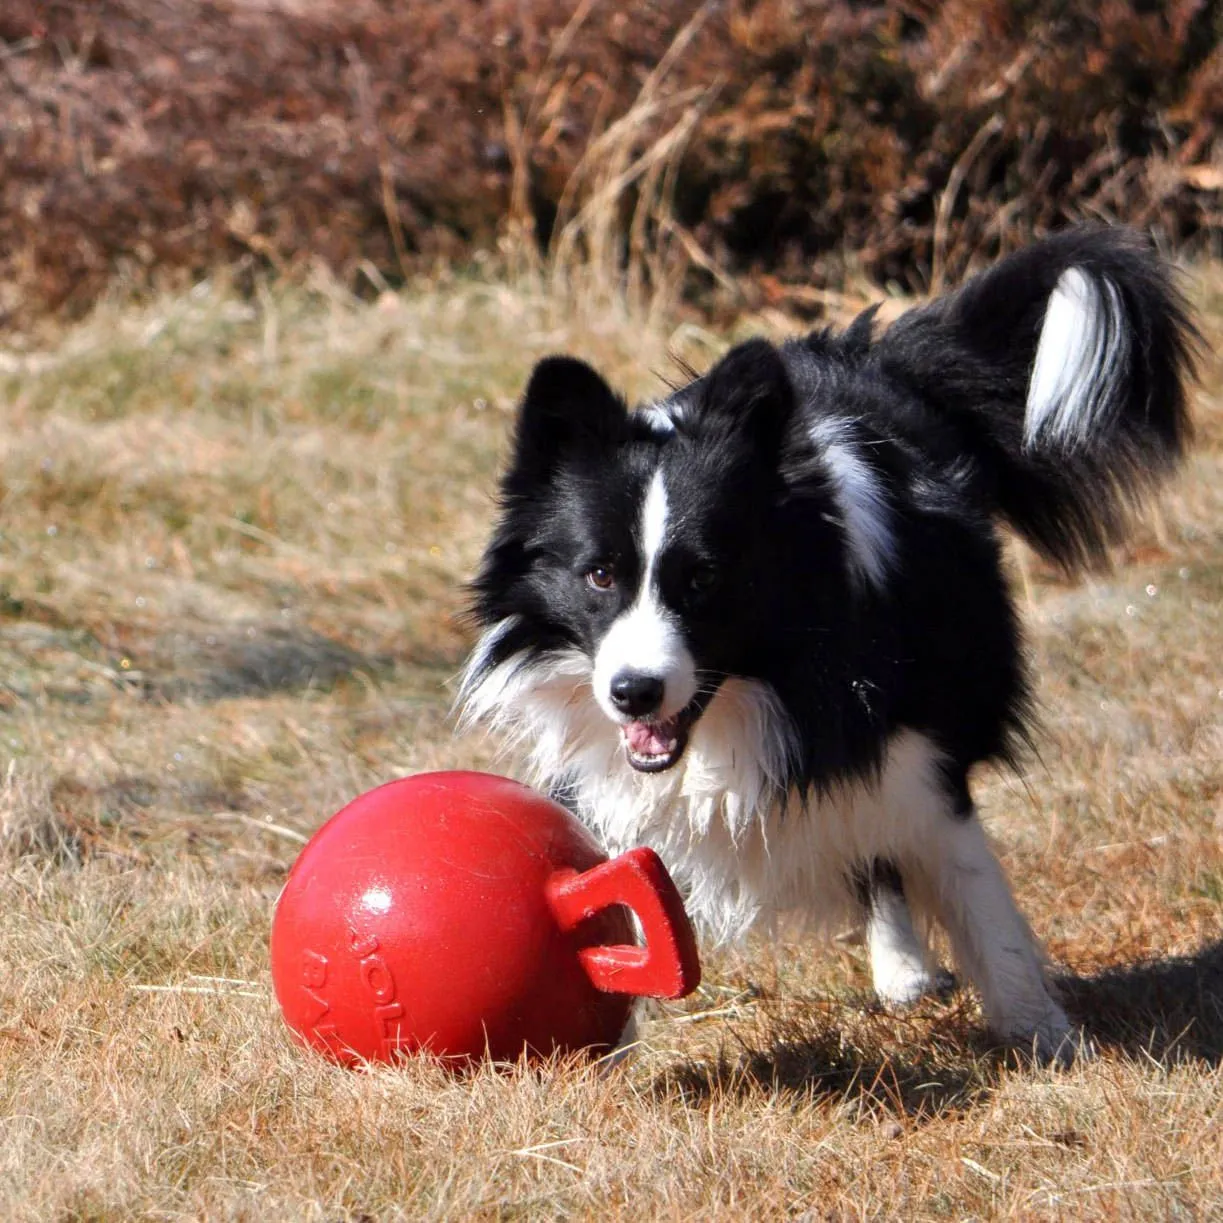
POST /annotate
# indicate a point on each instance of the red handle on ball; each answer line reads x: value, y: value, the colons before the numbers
x: 668, y: 965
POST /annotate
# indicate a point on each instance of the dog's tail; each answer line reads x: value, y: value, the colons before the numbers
x: 1065, y: 369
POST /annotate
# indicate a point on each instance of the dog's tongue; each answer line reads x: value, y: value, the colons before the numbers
x: 650, y: 738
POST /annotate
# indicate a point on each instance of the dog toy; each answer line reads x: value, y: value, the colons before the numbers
x: 465, y: 915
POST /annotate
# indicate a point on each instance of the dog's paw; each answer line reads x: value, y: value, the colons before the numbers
x: 908, y: 984
x: 1052, y: 1041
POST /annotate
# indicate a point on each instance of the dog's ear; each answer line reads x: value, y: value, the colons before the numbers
x: 567, y: 408
x: 748, y: 395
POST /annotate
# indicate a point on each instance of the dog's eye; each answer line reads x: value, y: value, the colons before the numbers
x: 700, y: 581
x: 601, y: 577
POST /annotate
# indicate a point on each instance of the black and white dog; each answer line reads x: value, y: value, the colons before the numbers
x: 762, y: 624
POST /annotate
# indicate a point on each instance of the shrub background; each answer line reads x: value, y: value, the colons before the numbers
x: 379, y: 137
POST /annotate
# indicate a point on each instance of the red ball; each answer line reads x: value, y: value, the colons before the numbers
x: 466, y: 915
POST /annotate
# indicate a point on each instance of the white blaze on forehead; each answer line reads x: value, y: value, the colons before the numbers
x: 653, y: 526
x: 866, y: 517
x: 1081, y: 358
x: 648, y: 637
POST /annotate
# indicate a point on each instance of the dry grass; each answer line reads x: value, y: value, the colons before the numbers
x: 233, y: 538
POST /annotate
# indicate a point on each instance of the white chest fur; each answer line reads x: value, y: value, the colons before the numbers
x: 741, y: 855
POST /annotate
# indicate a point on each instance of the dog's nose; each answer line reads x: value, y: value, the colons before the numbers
x: 636, y: 693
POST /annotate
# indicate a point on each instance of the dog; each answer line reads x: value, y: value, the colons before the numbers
x: 762, y: 624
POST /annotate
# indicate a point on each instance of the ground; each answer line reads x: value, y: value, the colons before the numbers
x: 233, y: 539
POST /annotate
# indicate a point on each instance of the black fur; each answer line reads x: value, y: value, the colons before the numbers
x: 935, y: 406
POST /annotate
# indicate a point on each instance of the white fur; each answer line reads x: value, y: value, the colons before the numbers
x: 660, y: 417
x: 538, y: 704
x: 993, y: 943
x: 864, y: 511
x: 900, y: 968
x: 647, y: 638
x: 653, y: 526
x: 1082, y: 355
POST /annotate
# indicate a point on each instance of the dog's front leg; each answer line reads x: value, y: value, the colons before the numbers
x: 993, y: 944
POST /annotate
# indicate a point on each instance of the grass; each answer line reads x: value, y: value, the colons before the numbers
x: 233, y: 538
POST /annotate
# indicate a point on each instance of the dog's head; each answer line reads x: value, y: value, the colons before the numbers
x: 635, y: 552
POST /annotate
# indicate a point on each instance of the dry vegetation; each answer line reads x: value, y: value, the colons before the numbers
x: 233, y: 536
x: 143, y: 138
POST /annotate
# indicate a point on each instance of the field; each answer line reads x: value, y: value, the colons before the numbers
x: 233, y: 540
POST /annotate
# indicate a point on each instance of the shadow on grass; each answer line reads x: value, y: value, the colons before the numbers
x: 865, y: 1082
x: 197, y: 663
x: 254, y: 660
x: 257, y: 659
x: 1170, y: 1009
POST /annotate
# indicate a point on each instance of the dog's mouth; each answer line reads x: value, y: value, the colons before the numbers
x: 653, y: 745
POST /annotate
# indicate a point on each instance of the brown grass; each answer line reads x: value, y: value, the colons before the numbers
x: 233, y: 540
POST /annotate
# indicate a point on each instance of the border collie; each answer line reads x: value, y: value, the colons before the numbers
x: 763, y: 625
